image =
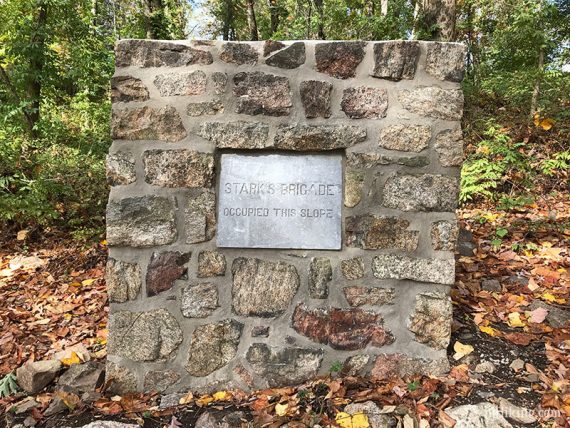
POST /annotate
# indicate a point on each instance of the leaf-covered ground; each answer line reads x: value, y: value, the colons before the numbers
x: 511, y: 334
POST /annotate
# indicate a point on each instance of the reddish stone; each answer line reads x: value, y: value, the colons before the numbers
x: 164, y: 269
x: 344, y: 329
x: 339, y: 59
x: 389, y: 366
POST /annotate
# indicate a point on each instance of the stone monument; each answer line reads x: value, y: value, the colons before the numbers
x: 278, y: 208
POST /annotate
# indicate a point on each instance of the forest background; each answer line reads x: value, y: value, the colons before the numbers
x: 56, y: 61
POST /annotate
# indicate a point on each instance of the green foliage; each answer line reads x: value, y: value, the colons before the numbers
x: 336, y: 367
x: 412, y: 386
x: 342, y: 19
x: 486, y: 171
x: 56, y: 59
x: 8, y: 385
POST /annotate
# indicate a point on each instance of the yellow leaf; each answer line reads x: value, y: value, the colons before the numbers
x: 548, y: 297
x: 281, y: 409
x: 75, y: 284
x: 515, y: 320
x: 186, y: 399
x: 74, y: 359
x: 104, y: 242
x: 488, y: 330
x: 536, y: 119
x: 461, y: 350
x: 546, y: 124
x: 88, y: 282
x: 360, y: 420
x: 223, y: 396
x: 343, y: 419
x: 205, y: 399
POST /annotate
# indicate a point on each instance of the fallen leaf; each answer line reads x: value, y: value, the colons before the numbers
x: 522, y: 339
x: 358, y: 420
x: 488, y: 330
x: 204, y: 400
x: 222, y: 396
x: 538, y: 315
x: 87, y: 282
x: 461, y: 350
x: 22, y: 234
x: 73, y: 359
x: 546, y: 124
x: 515, y: 320
x: 281, y: 409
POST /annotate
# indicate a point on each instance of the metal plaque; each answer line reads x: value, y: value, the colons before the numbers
x: 280, y: 201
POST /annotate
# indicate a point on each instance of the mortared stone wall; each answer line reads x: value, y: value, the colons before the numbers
x: 186, y: 315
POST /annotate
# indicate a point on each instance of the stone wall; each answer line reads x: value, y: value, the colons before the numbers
x: 188, y: 315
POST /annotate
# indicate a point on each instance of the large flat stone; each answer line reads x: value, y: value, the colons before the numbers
x: 395, y: 60
x: 406, y: 138
x: 290, y: 57
x: 123, y: 279
x: 143, y: 221
x: 187, y: 83
x: 339, y: 59
x: 446, y: 61
x: 343, y: 329
x: 178, y: 168
x: 286, y: 366
x: 128, y: 88
x: 213, y: 346
x: 482, y: 415
x: 444, y: 235
x: 211, y: 263
x: 320, y: 274
x: 393, y: 266
x: 449, y: 147
x: 154, y: 53
x: 119, y: 379
x: 120, y: 169
x: 262, y: 288
x: 427, y: 192
x: 430, y: 101
x: 34, y: 376
x: 238, y: 53
x: 199, y: 300
x: 372, y: 232
x: 316, y: 98
x: 200, y: 218
x: 262, y: 93
x: 431, y: 319
x: 352, y: 268
x: 363, y: 102
x: 353, y: 188
x: 236, y: 135
x: 374, y: 296
x: 164, y: 269
x: 146, y: 123
x: 143, y: 336
x: 318, y: 137
x: 389, y: 366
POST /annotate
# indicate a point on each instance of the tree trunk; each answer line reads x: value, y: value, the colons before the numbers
x: 308, y: 23
x: 321, y: 23
x: 437, y: 19
x: 228, y: 20
x: 251, y: 21
x: 536, y: 89
x: 384, y: 7
x: 274, y: 15
x: 34, y: 83
x: 154, y: 28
